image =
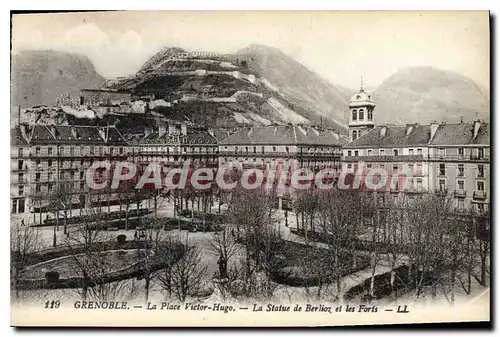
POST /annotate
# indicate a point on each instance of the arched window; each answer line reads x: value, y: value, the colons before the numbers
x: 361, y: 114
x: 354, y: 115
x: 354, y: 135
x: 370, y: 115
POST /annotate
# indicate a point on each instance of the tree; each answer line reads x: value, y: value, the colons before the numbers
x: 24, y: 241
x: 86, y: 241
x: 184, y: 277
x: 224, y: 246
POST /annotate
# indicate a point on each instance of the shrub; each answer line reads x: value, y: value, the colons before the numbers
x: 122, y: 238
x: 52, y: 276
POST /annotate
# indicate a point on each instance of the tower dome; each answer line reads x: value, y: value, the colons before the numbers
x: 361, y: 108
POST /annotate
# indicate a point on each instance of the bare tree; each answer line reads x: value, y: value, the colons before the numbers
x: 224, y: 246
x: 24, y: 241
x: 184, y: 277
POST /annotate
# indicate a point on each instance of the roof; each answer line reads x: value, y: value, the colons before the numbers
x: 395, y: 136
x: 193, y: 136
x: 284, y: 134
x: 360, y: 99
x: 16, y: 137
x: 461, y: 134
x: 75, y: 134
x: 420, y: 135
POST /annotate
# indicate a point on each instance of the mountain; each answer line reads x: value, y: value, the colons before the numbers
x: 424, y: 94
x: 39, y: 77
x: 322, y: 100
x: 233, y: 89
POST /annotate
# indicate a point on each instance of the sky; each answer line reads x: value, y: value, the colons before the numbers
x: 342, y: 47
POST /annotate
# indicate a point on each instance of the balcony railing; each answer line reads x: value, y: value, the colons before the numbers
x: 445, y: 157
x: 460, y: 193
x: 377, y: 158
x: 442, y: 191
x: 479, y: 195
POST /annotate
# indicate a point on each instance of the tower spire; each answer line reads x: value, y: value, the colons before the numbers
x: 362, y: 89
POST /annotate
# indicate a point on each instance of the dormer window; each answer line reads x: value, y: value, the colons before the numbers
x: 361, y: 114
x: 358, y: 96
x: 354, y: 115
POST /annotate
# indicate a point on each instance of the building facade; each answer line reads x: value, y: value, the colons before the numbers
x: 447, y: 159
x: 46, y: 156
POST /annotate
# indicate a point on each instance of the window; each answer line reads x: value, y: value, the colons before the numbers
x: 262, y: 149
x: 354, y: 115
x: 37, y: 150
x: 286, y: 149
x: 246, y: 149
x: 14, y: 206
x: 442, y: 185
x: 37, y: 189
x: 20, y: 165
x: 49, y: 163
x: 420, y: 185
x: 121, y: 150
x: 460, y: 151
x: 382, y: 166
x: 37, y: 162
x: 20, y: 152
x: 480, y: 186
x: 369, y: 165
x: 50, y: 187
x: 394, y: 168
x: 480, y: 171
x: 91, y: 150
x: 480, y: 207
x: 442, y: 170
x: 274, y: 148
x: 37, y: 177
x: 419, y: 168
x: 49, y: 176
x: 460, y: 184
x: 410, y: 151
x: 81, y: 175
x: 396, y: 152
x: 349, y: 166
x: 20, y: 177
x: 361, y: 114
x: 382, y: 152
x: 349, y: 153
x: 21, y: 190
x: 460, y: 204
x: 419, y: 152
x: 72, y: 151
x: 460, y: 170
x: 369, y: 152
x: 480, y: 153
x: 50, y: 151
x: 354, y: 135
x: 356, y: 153
x: 370, y: 114
x: 255, y: 149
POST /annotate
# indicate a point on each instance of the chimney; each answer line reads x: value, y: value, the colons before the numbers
x: 383, y: 131
x: 183, y: 129
x: 22, y: 128
x: 171, y: 129
x: 434, y: 127
x: 477, y: 125
x: 409, y: 128
x: 161, y: 130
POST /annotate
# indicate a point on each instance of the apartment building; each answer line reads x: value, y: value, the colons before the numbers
x: 447, y: 159
x: 43, y: 156
x: 173, y: 144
